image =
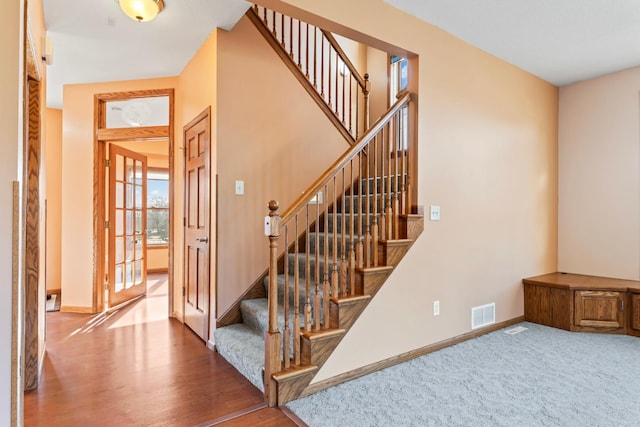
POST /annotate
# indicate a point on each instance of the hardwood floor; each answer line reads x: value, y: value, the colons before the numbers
x: 136, y: 367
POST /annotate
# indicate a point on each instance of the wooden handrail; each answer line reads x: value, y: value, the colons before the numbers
x: 346, y: 60
x: 307, y: 195
x: 320, y: 64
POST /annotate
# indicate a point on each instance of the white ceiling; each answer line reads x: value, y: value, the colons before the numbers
x: 93, y: 41
x: 561, y: 41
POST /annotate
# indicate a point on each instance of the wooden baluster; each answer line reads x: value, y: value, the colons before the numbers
x: 282, y: 30
x: 404, y: 147
x: 307, y: 52
x: 316, y: 300
x: 299, y: 44
x: 374, y: 226
x: 307, y: 279
x: 396, y: 189
x: 291, y: 38
x: 296, y: 297
x: 335, y: 277
x: 336, y: 84
x: 343, y: 252
x: 344, y: 97
x: 367, y: 209
x: 322, y: 67
x: 351, y: 103
x: 273, y: 25
x: 382, y: 186
x: 266, y: 21
x: 286, y: 332
x: 325, y: 282
x: 273, y: 338
x: 352, y: 243
x: 365, y: 91
x: 362, y: 199
x: 329, y: 76
x: 315, y: 57
x: 389, y: 204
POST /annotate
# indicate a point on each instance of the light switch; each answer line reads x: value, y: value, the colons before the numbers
x: 435, y: 213
x: 239, y: 188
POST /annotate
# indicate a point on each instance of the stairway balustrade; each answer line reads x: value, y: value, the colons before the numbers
x: 318, y: 59
x: 331, y: 233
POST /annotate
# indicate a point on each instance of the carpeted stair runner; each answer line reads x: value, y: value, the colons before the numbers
x: 242, y: 344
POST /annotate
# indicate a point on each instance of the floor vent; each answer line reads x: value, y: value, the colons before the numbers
x: 515, y: 330
x: 483, y: 315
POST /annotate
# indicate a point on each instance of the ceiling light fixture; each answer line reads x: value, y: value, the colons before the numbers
x: 141, y: 10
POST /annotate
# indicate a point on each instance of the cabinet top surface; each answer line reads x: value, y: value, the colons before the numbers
x: 581, y: 281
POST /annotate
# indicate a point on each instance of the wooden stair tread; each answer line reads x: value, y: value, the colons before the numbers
x: 323, y: 334
x: 294, y: 371
x: 351, y: 299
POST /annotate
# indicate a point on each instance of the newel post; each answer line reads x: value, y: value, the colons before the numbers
x: 273, y: 338
x: 366, y: 90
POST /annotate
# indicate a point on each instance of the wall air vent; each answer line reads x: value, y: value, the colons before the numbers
x: 483, y: 315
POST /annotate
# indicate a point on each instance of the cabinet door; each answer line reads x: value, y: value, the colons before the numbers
x: 635, y: 311
x: 599, y: 309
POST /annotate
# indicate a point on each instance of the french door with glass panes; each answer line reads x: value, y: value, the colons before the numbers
x: 127, y: 225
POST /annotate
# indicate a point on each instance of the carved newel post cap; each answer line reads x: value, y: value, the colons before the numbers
x: 273, y: 206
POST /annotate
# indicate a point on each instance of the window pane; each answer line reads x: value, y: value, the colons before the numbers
x: 157, y: 208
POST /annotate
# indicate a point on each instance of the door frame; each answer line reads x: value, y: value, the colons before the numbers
x: 102, y: 135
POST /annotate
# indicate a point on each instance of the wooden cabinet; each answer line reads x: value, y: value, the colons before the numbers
x: 576, y: 302
x: 599, y: 309
x: 635, y: 314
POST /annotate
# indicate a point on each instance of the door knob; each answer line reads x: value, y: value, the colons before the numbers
x: 203, y: 240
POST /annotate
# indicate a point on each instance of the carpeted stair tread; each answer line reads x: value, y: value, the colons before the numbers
x: 243, y: 347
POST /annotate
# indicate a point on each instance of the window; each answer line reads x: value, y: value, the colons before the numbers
x: 157, y: 207
x: 398, y: 76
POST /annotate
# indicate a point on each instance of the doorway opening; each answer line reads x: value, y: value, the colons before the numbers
x: 133, y: 197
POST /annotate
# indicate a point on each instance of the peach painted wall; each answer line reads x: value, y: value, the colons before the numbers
x: 487, y: 155
x: 53, y: 142
x: 11, y: 124
x: 198, y: 89
x: 77, y: 183
x: 599, y: 182
x: 272, y: 136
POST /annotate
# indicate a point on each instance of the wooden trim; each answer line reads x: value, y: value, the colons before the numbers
x: 313, y: 93
x: 16, y: 341
x: 292, y: 416
x: 101, y: 135
x: 133, y: 134
x: 233, y: 415
x: 74, y: 309
x: 54, y: 291
x: 233, y: 314
x: 405, y: 357
x: 157, y: 270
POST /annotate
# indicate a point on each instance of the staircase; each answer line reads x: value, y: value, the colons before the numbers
x: 331, y: 250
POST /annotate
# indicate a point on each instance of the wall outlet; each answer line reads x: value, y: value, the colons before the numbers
x: 239, y: 188
x: 436, y: 308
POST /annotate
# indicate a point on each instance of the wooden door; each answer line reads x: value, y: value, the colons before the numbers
x: 127, y: 225
x: 599, y: 309
x: 197, y: 141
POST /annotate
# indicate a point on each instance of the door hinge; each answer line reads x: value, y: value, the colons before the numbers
x: 184, y: 221
x: 106, y: 224
x: 184, y: 291
x: 107, y: 162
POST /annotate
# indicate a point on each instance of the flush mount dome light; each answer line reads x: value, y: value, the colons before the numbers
x: 141, y: 10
